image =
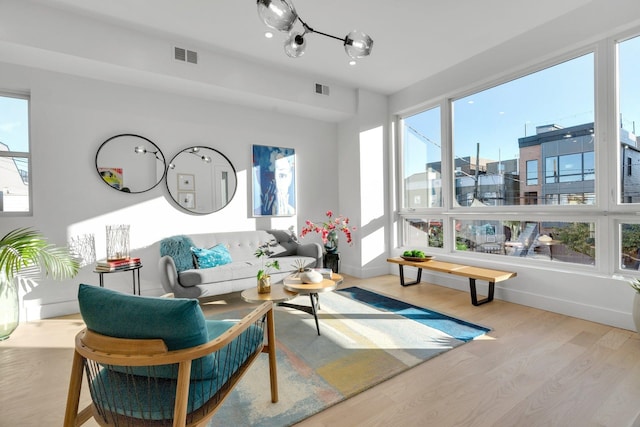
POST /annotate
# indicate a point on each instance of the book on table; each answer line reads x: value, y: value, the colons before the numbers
x: 123, y: 264
x: 327, y: 273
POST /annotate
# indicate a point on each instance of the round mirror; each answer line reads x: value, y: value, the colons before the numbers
x: 130, y: 163
x: 201, y: 180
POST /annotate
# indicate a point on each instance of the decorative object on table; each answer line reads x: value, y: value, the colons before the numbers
x: 300, y: 267
x: 635, y: 284
x: 415, y: 255
x: 83, y: 248
x: 117, y: 242
x: 274, y: 184
x: 328, y: 230
x: 280, y: 15
x: 264, y: 279
x: 310, y: 277
x: 326, y: 273
x: 23, y: 253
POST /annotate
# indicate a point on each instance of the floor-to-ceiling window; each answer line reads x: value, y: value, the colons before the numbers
x: 628, y: 64
x: 422, y: 178
x: 537, y: 166
x: 528, y: 143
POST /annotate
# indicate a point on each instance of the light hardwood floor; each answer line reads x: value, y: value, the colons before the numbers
x: 535, y: 368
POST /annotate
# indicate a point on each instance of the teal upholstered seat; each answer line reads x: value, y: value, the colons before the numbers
x: 128, y: 386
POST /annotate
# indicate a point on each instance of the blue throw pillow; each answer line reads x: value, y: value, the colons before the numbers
x: 179, y: 322
x: 207, y: 258
x: 177, y: 247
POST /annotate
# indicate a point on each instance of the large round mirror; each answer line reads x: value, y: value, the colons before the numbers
x: 201, y: 180
x: 130, y: 163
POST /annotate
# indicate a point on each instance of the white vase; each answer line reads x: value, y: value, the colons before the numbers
x: 636, y: 311
x: 311, y: 277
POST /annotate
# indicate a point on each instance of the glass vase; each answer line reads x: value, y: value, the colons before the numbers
x: 9, y: 308
x: 117, y: 242
x: 331, y: 245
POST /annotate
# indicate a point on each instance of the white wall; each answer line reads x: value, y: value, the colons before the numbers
x: 363, y: 185
x: 72, y: 116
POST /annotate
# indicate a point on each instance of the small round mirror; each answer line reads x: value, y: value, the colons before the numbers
x: 201, y: 180
x: 130, y: 163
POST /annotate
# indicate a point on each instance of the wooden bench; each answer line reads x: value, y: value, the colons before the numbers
x: 473, y: 273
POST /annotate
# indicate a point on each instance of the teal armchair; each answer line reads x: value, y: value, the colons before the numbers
x: 158, y: 362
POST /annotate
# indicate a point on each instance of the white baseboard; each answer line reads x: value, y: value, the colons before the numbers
x: 504, y: 292
x: 34, y: 310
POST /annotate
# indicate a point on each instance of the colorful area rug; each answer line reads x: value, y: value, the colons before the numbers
x: 366, y: 338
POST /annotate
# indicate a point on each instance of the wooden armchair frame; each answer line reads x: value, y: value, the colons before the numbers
x: 93, y: 347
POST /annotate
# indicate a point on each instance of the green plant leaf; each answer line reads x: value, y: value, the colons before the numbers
x: 26, y: 247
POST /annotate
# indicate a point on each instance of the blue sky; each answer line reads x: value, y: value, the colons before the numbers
x: 497, y: 117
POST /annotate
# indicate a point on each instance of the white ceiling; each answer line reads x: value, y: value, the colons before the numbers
x: 413, y: 39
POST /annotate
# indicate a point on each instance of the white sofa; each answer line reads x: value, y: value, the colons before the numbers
x: 185, y: 280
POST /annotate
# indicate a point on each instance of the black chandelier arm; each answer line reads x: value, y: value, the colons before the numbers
x: 308, y: 29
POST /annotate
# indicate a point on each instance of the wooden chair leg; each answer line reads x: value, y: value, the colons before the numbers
x: 182, y: 394
x: 75, y: 385
x: 271, y: 343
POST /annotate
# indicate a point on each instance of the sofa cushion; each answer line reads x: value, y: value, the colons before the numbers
x: 223, y: 273
x: 179, y: 322
x: 285, y: 245
x: 213, y: 257
x: 178, y: 248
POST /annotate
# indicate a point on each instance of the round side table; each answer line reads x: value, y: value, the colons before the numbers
x: 294, y: 284
x: 278, y: 294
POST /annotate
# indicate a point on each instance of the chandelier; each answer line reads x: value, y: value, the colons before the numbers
x: 282, y: 16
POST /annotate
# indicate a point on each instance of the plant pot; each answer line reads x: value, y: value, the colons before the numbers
x: 9, y: 309
x: 264, y: 285
x: 636, y: 311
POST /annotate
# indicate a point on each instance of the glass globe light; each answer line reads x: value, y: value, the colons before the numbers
x: 277, y: 14
x: 295, y: 45
x: 357, y: 44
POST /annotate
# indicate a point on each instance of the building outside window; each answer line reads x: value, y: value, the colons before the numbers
x: 421, y: 154
x: 15, y: 165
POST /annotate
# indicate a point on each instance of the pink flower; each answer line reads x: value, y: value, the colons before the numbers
x: 339, y: 223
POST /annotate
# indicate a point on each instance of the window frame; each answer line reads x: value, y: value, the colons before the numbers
x: 21, y: 154
x: 606, y: 160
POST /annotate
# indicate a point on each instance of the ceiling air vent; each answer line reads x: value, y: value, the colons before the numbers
x: 184, y: 55
x: 322, y: 89
x: 192, y: 57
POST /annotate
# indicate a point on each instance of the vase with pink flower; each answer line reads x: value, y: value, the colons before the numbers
x: 329, y: 229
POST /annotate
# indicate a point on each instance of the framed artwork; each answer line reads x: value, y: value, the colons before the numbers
x: 274, y: 184
x: 186, y: 182
x: 187, y: 199
x: 112, y: 176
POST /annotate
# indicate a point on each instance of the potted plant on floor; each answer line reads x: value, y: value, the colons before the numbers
x: 25, y: 251
x: 264, y: 279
